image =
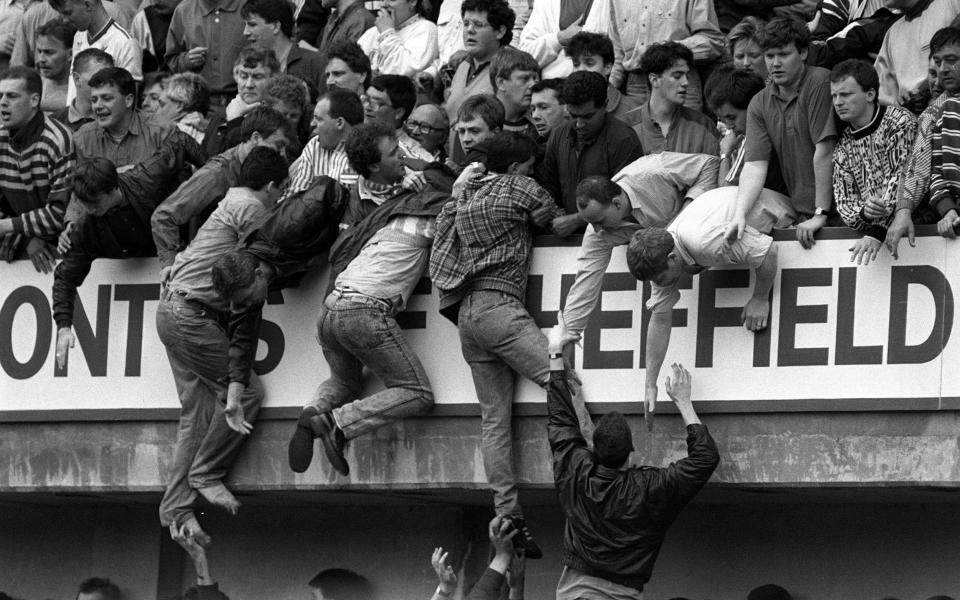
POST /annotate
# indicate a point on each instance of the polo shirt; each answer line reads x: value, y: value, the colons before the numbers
x: 115, y: 41
x: 218, y: 27
x: 690, y: 131
x: 141, y: 140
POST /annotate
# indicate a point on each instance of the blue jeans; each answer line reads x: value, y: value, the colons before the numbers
x: 359, y: 331
x: 499, y: 339
x: 197, y: 347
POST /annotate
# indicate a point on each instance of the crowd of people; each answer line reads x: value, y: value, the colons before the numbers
x: 244, y: 143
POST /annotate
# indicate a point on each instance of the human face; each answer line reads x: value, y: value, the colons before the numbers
x: 748, y: 55
x: 250, y: 81
x: 671, y: 274
x: 327, y: 129
x: 588, y: 120
x: 17, y: 106
x: 110, y: 107
x: 852, y: 103
x: 340, y: 76
x: 78, y: 13
x: 732, y: 118
x: 947, y: 62
x: 291, y: 112
x: 785, y: 64
x: 426, y: 125
x: 600, y: 216
x: 933, y: 80
x: 277, y: 140
x: 151, y: 99
x: 390, y: 169
x: 401, y: 9
x: 591, y: 62
x: 671, y: 85
x: 168, y: 109
x: 258, y: 32
x: 102, y: 203
x: 480, y: 39
x: 52, y: 58
x: 377, y: 107
x: 254, y: 294
x: 516, y: 90
x: 81, y: 80
x: 473, y: 132
x: 546, y: 111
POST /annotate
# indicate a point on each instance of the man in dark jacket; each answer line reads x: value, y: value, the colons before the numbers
x: 617, y: 517
x: 118, y: 222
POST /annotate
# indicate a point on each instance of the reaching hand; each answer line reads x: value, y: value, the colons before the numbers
x: 567, y: 34
x: 755, y: 314
x: 65, y: 341
x: 650, y: 405
x: 678, y: 387
x: 515, y: 573
x: 8, y: 246
x: 945, y: 226
x: 445, y: 574
x: 566, y: 225
x: 42, y: 255
x: 807, y: 229
x: 865, y: 250
x: 559, y: 337
x: 64, y: 242
x: 542, y: 217
x: 415, y: 181
x: 734, y: 230
x: 501, y: 532
x: 902, y: 225
x: 234, y: 410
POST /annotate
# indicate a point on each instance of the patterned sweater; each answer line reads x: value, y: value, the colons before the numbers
x: 945, y: 158
x: 868, y: 164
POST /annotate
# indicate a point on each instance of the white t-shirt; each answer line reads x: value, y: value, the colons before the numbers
x: 115, y: 41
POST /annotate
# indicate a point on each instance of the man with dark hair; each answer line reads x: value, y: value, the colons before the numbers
x: 336, y: 114
x: 729, y: 91
x: 85, y: 65
x: 616, y: 517
x: 792, y: 119
x: 268, y: 24
x: 547, y: 107
x: 290, y: 96
x: 98, y: 588
x: 53, y: 57
x: 390, y: 99
x: 199, y: 194
x: 594, y: 52
x: 513, y: 74
x: 479, y: 119
x: 117, y: 225
x: 211, y: 346
x: 340, y: 584
x: 36, y: 170
x: 870, y: 157
x: 348, y: 20
x: 479, y: 265
x: 553, y: 24
x: 347, y: 68
x: 663, y: 123
x: 590, y: 143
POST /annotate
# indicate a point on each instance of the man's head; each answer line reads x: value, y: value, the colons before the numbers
x: 336, y: 114
x: 586, y: 96
x: 96, y: 185
x: 744, y: 47
x: 402, y: 9
x: 348, y: 68
x: 729, y: 91
x: 784, y: 42
x: 266, y: 21
x: 183, y: 93
x: 390, y: 99
x: 374, y: 153
x: 511, y: 153
x: 666, y: 65
x: 85, y: 64
x: 478, y: 119
x: 54, y: 48
x: 591, y: 52
x: 78, y: 13
x: 854, y: 86
x: 251, y: 70
x: 429, y: 125
x: 265, y: 126
x: 769, y: 591
x: 98, y: 588
x: 150, y: 93
x: 289, y: 95
x: 513, y: 74
x: 241, y: 279
x: 340, y: 584
x: 602, y: 203
x: 945, y: 58
x: 20, y: 92
x: 113, y: 94
x: 547, y: 107
x: 264, y: 170
x: 487, y: 26
x: 652, y: 256
x: 612, y: 440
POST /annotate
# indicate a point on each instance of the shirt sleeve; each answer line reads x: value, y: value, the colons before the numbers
x: 617, y: 74
x: 757, y: 146
x: 407, y: 56
x: 67, y: 277
x: 47, y: 221
x: 626, y: 151
x: 539, y: 36
x: 592, y: 262
x: 820, y: 113
x: 706, y: 40
x: 301, y: 171
x: 682, y: 480
x: 703, y: 177
x: 941, y: 196
x: 889, y: 87
x: 663, y: 299
x: 563, y: 427
x: 916, y: 176
x: 176, y: 53
x: 130, y: 57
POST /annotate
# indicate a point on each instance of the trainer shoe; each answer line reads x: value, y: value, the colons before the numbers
x: 524, y: 539
x: 300, y: 449
x: 333, y: 441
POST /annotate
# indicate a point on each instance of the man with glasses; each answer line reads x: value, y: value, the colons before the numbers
x: 429, y: 126
x: 390, y: 99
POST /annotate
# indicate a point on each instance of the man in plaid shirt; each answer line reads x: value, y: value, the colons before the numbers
x: 479, y: 265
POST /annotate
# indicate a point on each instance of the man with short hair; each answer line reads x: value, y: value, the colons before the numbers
x: 547, y: 107
x: 791, y: 118
x: 36, y: 170
x: 513, y: 74
x: 339, y: 584
x: 401, y: 42
x: 429, y: 127
x: 54, y: 54
x: 479, y: 264
x: 663, y: 123
x: 290, y: 95
x: 617, y: 515
x: 390, y: 99
x: 85, y: 65
x: 185, y: 101
x: 552, y: 26
x: 347, y: 68
x: 211, y: 346
x: 479, y: 119
x: 348, y: 20
x: 268, y: 24
x: 591, y: 143
x: 98, y: 588
x: 871, y: 155
x: 335, y: 116
x: 594, y: 52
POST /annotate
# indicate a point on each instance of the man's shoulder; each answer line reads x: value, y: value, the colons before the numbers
x: 56, y: 135
x: 695, y: 116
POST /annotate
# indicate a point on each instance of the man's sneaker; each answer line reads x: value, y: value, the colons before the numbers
x: 300, y: 450
x: 333, y: 441
x: 524, y: 539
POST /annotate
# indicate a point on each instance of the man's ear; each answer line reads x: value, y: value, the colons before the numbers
x: 398, y: 114
x: 129, y: 101
x: 607, y: 69
x: 512, y: 169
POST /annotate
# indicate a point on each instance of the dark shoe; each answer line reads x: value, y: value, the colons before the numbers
x: 300, y: 450
x: 524, y: 539
x: 333, y: 441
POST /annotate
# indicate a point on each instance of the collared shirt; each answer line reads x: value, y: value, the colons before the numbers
x: 791, y: 126
x: 115, y: 41
x: 406, y: 50
x: 316, y: 161
x: 308, y: 66
x: 365, y: 197
x: 690, y: 131
x: 411, y: 148
x: 635, y: 24
x: 563, y: 167
x: 141, y: 139
x: 216, y: 26
x: 37, y: 13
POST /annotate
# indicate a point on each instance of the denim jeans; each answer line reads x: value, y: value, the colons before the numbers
x: 355, y: 332
x: 574, y: 585
x: 499, y: 339
x: 638, y: 89
x: 197, y: 347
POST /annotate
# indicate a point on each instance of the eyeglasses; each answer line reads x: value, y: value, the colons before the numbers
x: 413, y: 126
x: 470, y: 23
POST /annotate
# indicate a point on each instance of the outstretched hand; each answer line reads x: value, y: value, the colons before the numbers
x: 445, y: 574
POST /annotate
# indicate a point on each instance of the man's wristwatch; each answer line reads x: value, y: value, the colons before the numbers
x: 819, y: 211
